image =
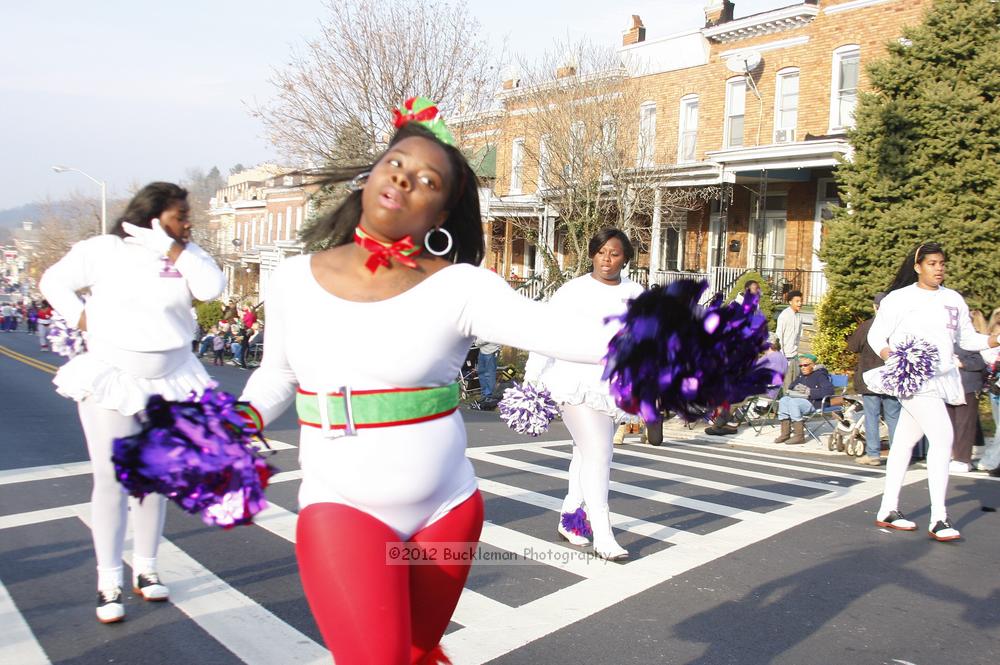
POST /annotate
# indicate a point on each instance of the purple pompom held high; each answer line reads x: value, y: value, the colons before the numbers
x: 199, y: 454
x: 527, y: 410
x: 64, y: 339
x: 673, y: 354
x: 909, y: 366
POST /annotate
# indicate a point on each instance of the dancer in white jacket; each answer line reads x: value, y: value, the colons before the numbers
x: 588, y: 408
x: 142, y: 278
x: 919, y: 306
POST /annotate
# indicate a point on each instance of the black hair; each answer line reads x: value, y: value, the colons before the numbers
x: 906, y: 274
x: 148, y: 204
x: 603, y: 236
x: 464, y: 221
x: 746, y: 286
x: 793, y: 294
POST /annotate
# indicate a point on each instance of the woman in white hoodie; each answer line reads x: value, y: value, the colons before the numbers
x: 142, y: 278
x: 919, y: 306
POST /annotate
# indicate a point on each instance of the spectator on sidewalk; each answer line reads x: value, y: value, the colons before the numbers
x: 789, y: 333
x: 486, y: 367
x: 874, y: 403
x: 990, y: 461
x: 965, y: 417
x: 804, y: 396
x: 774, y: 360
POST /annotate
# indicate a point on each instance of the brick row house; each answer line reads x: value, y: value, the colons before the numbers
x: 732, y: 137
x: 256, y: 219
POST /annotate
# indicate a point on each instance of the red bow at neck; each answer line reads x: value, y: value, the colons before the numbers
x: 381, y: 253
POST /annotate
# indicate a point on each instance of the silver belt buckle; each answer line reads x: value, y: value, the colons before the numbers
x: 324, y: 417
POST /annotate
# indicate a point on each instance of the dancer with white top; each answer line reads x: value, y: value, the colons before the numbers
x: 142, y: 278
x: 918, y: 306
x: 386, y: 484
x: 588, y: 408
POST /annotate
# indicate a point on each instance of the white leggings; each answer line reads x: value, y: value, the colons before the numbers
x: 590, y: 468
x: 920, y: 416
x: 110, y: 503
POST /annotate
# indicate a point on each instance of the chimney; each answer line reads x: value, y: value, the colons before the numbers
x: 717, y: 12
x: 565, y: 70
x: 635, y: 34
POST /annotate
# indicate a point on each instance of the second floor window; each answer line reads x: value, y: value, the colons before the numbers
x: 516, y: 165
x: 647, y: 134
x: 786, y: 103
x: 543, y: 162
x: 688, y: 133
x: 736, y: 100
x: 844, y: 87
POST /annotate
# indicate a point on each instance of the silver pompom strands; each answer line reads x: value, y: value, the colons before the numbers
x: 527, y: 409
x: 909, y: 366
x: 64, y: 339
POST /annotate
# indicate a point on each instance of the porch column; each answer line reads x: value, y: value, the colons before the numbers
x: 488, y: 239
x: 543, y: 238
x: 654, y: 236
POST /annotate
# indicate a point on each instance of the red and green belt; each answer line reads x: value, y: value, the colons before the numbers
x: 346, y: 411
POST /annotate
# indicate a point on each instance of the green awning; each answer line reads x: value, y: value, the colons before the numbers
x: 484, y: 161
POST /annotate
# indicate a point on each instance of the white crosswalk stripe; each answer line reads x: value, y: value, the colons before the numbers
x: 489, y: 627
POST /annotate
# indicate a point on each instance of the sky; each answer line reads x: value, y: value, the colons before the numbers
x: 131, y: 91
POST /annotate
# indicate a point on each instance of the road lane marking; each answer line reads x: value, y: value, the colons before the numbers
x: 49, y: 472
x: 19, y: 644
x: 28, y: 360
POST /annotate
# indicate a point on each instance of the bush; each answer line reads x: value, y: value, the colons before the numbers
x: 208, y: 313
x: 766, y: 299
x: 836, y: 318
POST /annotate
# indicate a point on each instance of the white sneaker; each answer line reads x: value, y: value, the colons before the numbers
x: 958, y: 467
x: 110, y: 608
x: 150, y: 587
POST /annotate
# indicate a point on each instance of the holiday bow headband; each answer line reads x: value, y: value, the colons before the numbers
x: 423, y: 112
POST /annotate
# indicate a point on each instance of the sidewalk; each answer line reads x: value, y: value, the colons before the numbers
x: 675, y: 430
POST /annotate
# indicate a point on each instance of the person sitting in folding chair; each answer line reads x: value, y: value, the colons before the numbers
x: 804, y: 396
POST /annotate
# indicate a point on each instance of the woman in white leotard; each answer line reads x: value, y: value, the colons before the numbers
x: 588, y: 409
x: 382, y: 444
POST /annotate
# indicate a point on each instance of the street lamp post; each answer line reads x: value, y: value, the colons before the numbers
x: 104, y: 193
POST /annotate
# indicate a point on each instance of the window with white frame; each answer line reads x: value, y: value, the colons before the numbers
x: 647, y: 134
x: 736, y: 102
x: 574, y: 164
x: 786, y: 105
x: 609, y: 143
x: 673, y: 224
x: 516, y: 165
x: 543, y: 161
x: 844, y: 86
x: 688, y: 132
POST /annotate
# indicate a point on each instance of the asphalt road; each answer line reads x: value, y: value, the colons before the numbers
x: 742, y: 556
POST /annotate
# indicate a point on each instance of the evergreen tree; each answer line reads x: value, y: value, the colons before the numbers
x: 925, y: 164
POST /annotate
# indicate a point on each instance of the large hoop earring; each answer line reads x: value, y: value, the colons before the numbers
x: 358, y: 181
x: 427, y: 241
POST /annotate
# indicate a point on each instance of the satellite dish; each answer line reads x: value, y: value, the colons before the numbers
x: 744, y: 63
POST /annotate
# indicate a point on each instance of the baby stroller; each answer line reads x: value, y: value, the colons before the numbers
x: 849, y: 434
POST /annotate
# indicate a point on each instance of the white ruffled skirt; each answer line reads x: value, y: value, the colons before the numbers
x: 580, y: 384
x: 123, y: 381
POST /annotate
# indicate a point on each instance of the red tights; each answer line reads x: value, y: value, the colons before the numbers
x: 371, y: 613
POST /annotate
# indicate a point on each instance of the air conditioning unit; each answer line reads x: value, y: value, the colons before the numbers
x: 784, y: 135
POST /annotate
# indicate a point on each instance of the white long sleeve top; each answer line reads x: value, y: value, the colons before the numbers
x: 406, y: 475
x: 138, y: 301
x: 940, y: 317
x: 788, y: 330
x: 581, y: 383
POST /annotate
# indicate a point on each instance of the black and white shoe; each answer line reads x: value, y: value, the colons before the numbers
x: 149, y: 585
x: 943, y: 531
x: 896, y: 520
x: 110, y: 608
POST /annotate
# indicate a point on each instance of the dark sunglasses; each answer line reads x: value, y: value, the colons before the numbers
x: 805, y: 364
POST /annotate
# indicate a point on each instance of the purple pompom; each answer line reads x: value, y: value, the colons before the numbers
x: 576, y: 523
x: 527, y: 410
x: 673, y: 354
x: 64, y: 339
x: 909, y: 366
x: 197, y: 453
